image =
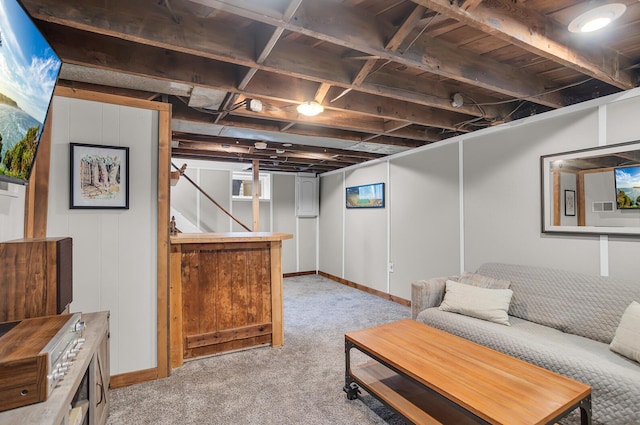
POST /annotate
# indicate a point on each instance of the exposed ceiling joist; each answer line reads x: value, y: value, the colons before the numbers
x: 535, y: 33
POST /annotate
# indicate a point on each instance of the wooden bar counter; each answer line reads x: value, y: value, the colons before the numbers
x: 226, y: 292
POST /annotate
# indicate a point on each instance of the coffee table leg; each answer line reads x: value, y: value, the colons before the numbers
x: 350, y: 387
x: 585, y: 411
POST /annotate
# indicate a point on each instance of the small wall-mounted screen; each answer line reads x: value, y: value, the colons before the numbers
x: 627, y: 187
x: 28, y: 72
x: 366, y: 196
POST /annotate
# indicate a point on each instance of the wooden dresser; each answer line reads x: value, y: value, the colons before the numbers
x: 226, y: 293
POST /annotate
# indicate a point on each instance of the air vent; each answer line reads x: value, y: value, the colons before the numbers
x: 602, y: 206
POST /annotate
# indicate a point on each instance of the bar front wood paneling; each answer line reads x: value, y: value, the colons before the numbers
x: 226, y: 293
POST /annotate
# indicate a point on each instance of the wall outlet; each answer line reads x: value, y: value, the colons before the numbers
x: 390, y: 267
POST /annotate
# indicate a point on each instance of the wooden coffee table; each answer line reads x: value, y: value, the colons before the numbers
x: 432, y: 377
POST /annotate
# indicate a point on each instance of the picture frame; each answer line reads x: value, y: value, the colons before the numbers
x: 365, y: 196
x: 98, y: 177
x: 570, y: 203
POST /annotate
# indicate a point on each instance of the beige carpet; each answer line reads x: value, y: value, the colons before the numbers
x: 300, y: 383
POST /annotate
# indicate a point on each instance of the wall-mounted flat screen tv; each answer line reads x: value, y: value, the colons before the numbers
x: 29, y: 70
x: 627, y: 187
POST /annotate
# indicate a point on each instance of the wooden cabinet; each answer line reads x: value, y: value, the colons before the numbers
x: 85, y: 387
x: 36, y: 278
x: 226, y: 293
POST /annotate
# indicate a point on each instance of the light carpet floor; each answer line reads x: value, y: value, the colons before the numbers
x: 299, y: 383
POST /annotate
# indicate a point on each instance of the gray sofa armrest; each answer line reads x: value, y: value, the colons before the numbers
x: 427, y: 293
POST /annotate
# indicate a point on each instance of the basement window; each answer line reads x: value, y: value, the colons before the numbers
x: 242, y: 186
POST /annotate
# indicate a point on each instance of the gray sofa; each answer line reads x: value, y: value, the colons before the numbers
x: 562, y: 321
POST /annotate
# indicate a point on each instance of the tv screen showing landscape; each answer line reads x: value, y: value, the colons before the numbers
x: 628, y: 187
x: 28, y: 72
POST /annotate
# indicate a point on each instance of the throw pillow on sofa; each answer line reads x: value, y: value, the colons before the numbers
x: 481, y: 281
x: 627, y: 338
x: 481, y: 303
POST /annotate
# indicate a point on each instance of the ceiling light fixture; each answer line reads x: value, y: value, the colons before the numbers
x: 254, y: 105
x: 457, y: 100
x: 260, y: 145
x: 597, y: 18
x: 310, y: 109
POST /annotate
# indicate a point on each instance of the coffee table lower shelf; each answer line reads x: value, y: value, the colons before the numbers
x: 406, y: 397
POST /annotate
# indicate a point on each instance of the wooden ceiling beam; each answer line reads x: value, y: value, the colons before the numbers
x: 289, y: 165
x: 298, y: 151
x: 316, y: 152
x: 181, y: 112
x: 147, y: 61
x: 393, y: 44
x: 397, y: 110
x: 532, y: 31
x: 266, y: 38
x: 264, y: 165
x: 295, y: 157
x: 290, y: 60
x: 366, y: 33
x: 344, y: 26
x: 331, y: 119
x: 262, y: 156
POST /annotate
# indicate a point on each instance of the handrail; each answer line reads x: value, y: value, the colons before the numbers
x: 181, y: 171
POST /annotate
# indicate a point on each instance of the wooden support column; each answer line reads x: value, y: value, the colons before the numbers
x: 277, y: 296
x: 256, y: 195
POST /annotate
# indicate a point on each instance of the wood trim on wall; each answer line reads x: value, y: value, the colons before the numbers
x: 130, y: 378
x: 163, y: 368
x: 37, y: 191
x: 375, y: 292
x: 556, y: 198
x: 296, y: 274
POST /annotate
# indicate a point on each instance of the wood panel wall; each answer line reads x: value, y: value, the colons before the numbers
x: 226, y: 297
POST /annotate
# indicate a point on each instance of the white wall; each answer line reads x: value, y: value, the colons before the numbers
x: 331, y: 226
x: 365, y: 229
x: 499, y: 195
x: 114, y: 251
x: 425, y: 217
x: 12, y: 212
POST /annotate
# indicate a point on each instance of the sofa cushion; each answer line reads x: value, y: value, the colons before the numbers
x: 576, y: 303
x: 482, y: 303
x: 481, y: 281
x: 613, y: 378
x: 627, y: 339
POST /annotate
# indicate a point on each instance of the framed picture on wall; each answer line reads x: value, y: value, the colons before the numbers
x: 366, y: 196
x: 569, y: 202
x: 99, y: 176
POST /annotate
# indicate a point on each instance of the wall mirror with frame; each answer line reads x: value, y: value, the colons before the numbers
x: 592, y: 191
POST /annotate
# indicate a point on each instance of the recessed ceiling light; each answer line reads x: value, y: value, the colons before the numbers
x: 287, y: 145
x: 280, y: 151
x: 597, y: 18
x: 260, y: 145
x: 310, y: 109
x: 273, y: 156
